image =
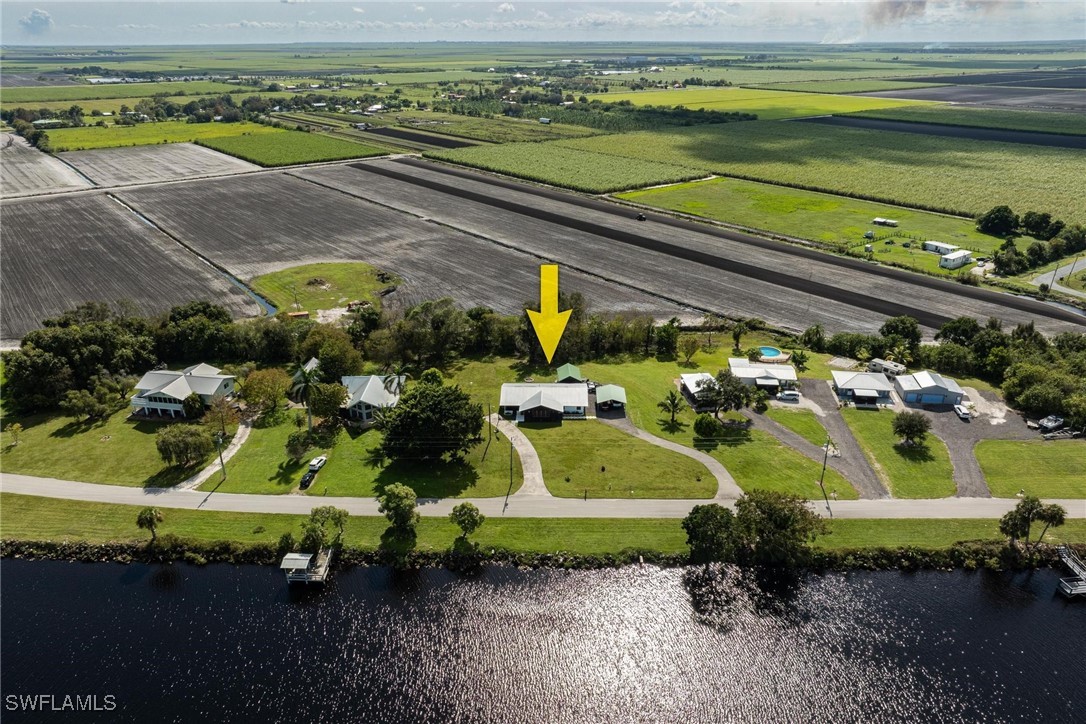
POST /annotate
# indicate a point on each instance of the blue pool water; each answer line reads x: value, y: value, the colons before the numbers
x: 770, y: 352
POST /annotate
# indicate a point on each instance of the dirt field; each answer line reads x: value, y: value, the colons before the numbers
x: 404, y: 135
x: 254, y: 225
x: 28, y: 80
x: 26, y: 171
x: 938, y: 129
x: 995, y: 96
x: 1071, y: 78
x: 143, y: 164
x: 58, y: 253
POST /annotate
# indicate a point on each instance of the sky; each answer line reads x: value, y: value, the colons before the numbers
x: 135, y: 22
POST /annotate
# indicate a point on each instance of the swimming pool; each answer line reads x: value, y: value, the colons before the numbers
x: 770, y: 352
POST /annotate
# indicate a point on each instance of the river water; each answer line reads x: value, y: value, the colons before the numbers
x: 224, y: 643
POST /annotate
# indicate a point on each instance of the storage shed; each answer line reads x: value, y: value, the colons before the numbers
x: 939, y: 247
x: 568, y: 373
x: 928, y: 388
x: 608, y: 396
x: 956, y: 259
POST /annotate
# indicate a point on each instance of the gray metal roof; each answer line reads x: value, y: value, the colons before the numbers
x: 372, y: 390
x: 516, y: 394
x: 296, y: 561
x: 203, y: 379
x: 866, y: 381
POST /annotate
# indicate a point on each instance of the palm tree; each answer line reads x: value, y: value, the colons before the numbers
x: 1051, y: 515
x: 148, y: 519
x: 738, y: 331
x: 800, y: 359
x: 396, y: 377
x: 671, y: 404
x: 305, y: 379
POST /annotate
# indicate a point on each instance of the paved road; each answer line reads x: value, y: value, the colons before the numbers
x: 861, y: 474
x: 1053, y: 278
x: 239, y: 438
x: 529, y: 460
x: 527, y: 506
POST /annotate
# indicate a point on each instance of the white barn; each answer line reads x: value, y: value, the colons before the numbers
x: 164, y: 391
x: 368, y: 393
x: 929, y: 388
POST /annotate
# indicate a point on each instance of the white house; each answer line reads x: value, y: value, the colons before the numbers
x: 863, y: 388
x: 164, y: 391
x: 888, y: 368
x: 939, y: 247
x: 758, y: 374
x: 929, y: 388
x: 543, y: 401
x: 368, y: 393
x: 956, y: 259
x: 693, y: 382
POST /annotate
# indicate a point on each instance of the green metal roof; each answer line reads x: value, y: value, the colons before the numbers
x: 610, y: 393
x: 567, y: 371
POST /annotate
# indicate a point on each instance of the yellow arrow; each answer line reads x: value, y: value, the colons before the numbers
x: 549, y: 323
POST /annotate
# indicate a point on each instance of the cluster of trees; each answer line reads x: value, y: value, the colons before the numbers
x: 898, y: 339
x: 1055, y: 239
x: 398, y: 503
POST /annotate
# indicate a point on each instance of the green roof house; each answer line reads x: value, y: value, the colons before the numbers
x: 569, y: 373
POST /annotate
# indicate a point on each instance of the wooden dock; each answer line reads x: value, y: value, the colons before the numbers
x: 307, y: 567
x: 1076, y: 585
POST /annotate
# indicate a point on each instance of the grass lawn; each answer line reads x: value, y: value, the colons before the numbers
x: 286, y: 148
x: 115, y: 451
x: 1047, y: 469
x: 922, y: 471
x: 321, y: 286
x: 836, y: 221
x: 608, y: 463
x: 802, y: 422
x: 147, y: 134
x: 28, y: 517
x: 261, y: 466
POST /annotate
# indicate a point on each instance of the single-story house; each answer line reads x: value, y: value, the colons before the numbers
x: 309, y: 366
x: 368, y: 393
x: 939, y: 247
x: 569, y: 373
x: 929, y: 388
x: 608, y: 396
x: 956, y: 259
x: 693, y: 382
x: 888, y: 368
x: 164, y: 391
x: 761, y: 375
x: 543, y: 401
x: 863, y: 388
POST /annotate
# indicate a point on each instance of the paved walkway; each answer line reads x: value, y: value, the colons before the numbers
x: 1052, y: 279
x: 527, y: 506
x: 244, y: 428
x: 726, y: 487
x: 529, y: 460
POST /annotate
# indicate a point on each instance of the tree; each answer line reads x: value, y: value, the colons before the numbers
x: 800, y: 359
x: 35, y: 379
x: 304, y: 379
x: 335, y: 350
x: 467, y: 517
x: 183, y: 444
x: 431, y: 376
x: 999, y: 221
x: 775, y: 529
x: 671, y: 405
x: 1052, y: 515
x: 14, y: 429
x: 706, y: 426
x: 315, y: 529
x: 710, y: 533
x: 738, y: 331
x: 298, y: 444
x: 266, y: 389
x: 431, y: 421
x: 148, y: 519
x: 326, y: 399
x: 760, y: 400
x: 688, y: 345
x: 192, y: 406
x: 814, y: 338
x: 709, y: 323
x: 220, y: 414
x: 959, y: 331
x: 724, y: 392
x: 667, y: 338
x: 398, y: 505
x: 80, y: 404
x: 912, y: 427
x: 905, y: 328
x: 1016, y: 523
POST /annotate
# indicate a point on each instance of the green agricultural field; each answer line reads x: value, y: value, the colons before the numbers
x: 845, y: 86
x: 569, y: 167
x: 802, y: 422
x: 494, y: 130
x: 287, y: 148
x: 768, y: 104
x: 321, y: 286
x: 1065, y: 123
x: 31, y: 96
x: 579, y: 456
x: 922, y: 471
x: 952, y: 175
x: 115, y: 451
x: 261, y: 466
x: 1047, y: 469
x: 146, y: 134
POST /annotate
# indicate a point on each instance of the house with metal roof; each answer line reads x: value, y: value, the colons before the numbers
x: 164, y: 391
x: 863, y: 388
x: 761, y: 375
x: 928, y: 388
x: 569, y: 373
x: 543, y: 401
x: 368, y: 393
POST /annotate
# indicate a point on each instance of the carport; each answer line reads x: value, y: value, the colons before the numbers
x: 608, y: 396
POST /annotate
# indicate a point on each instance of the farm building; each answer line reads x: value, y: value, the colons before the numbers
x: 368, y: 393
x: 956, y: 259
x: 164, y: 391
x: 888, y: 368
x: 929, y: 388
x: 863, y: 388
x: 569, y: 373
x: 939, y: 247
x: 693, y: 382
x: 543, y: 401
x: 763, y: 376
x: 879, y: 221
x: 609, y: 396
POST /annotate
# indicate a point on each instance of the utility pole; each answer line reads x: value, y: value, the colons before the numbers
x: 822, y: 477
x: 222, y: 463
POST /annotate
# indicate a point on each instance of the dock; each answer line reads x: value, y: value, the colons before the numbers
x: 307, y: 567
x: 1075, y: 585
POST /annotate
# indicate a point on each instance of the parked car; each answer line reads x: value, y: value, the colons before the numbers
x: 307, y: 479
x: 317, y: 463
x: 788, y: 395
x: 963, y: 412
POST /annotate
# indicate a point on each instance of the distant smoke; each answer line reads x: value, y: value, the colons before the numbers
x: 37, y: 22
x: 891, y: 12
